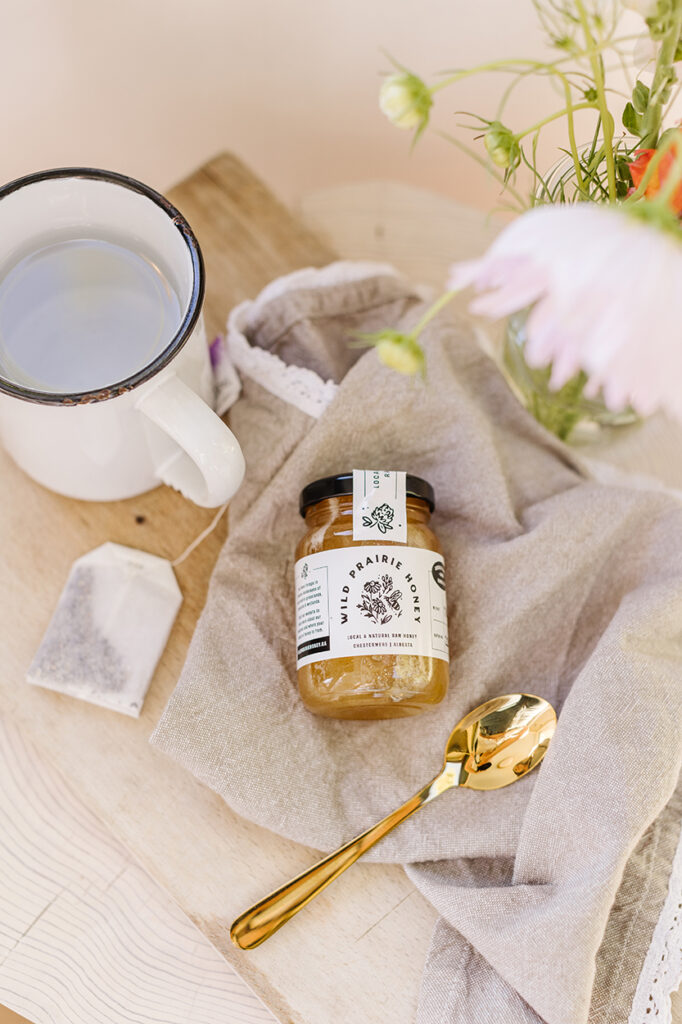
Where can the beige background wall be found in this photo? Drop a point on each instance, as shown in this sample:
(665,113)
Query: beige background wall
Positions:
(153,87)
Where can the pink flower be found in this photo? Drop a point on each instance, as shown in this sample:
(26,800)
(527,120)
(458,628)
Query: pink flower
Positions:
(606,292)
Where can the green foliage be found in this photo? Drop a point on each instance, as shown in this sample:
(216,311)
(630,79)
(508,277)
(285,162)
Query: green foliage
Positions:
(584,34)
(640,97)
(560,185)
(632,121)
(660,21)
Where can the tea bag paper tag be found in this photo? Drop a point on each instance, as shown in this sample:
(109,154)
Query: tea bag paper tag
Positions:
(379,505)
(109,628)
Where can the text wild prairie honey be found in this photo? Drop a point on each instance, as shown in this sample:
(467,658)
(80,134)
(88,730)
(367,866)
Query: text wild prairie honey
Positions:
(371,613)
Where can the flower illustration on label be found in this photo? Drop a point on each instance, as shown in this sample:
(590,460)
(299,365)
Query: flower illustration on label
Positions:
(379,601)
(381,516)
(304,571)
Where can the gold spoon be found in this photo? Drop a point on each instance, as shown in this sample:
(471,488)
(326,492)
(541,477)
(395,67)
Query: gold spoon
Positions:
(494,745)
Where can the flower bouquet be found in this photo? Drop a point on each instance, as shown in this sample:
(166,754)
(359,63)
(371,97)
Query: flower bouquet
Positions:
(590,272)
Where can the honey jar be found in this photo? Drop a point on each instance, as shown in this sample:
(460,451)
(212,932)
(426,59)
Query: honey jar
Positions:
(371,614)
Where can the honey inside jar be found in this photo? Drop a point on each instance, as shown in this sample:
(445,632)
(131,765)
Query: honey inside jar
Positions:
(370,599)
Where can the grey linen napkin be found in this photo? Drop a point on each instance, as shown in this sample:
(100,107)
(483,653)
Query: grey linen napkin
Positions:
(549,891)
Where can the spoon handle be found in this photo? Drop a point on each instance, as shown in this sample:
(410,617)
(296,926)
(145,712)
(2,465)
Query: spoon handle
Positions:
(259,922)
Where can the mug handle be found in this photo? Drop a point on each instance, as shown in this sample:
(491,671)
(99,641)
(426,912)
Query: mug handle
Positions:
(209,465)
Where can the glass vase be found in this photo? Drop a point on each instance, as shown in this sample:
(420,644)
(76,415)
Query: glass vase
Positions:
(567,412)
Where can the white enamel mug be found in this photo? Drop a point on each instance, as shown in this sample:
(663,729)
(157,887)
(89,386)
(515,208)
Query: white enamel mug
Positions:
(157,425)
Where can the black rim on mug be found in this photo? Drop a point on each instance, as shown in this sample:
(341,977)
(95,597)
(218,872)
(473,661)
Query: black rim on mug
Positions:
(189,319)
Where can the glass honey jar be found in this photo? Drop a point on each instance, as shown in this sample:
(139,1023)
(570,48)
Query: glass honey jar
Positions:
(371,613)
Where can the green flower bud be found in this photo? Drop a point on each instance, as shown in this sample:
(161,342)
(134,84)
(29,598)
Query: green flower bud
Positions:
(502,145)
(405,100)
(401,352)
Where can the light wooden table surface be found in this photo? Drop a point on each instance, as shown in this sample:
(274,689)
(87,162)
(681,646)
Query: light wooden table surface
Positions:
(356,954)
(86,935)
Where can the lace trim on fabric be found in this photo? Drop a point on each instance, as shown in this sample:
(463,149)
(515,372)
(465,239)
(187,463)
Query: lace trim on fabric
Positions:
(662,968)
(297,385)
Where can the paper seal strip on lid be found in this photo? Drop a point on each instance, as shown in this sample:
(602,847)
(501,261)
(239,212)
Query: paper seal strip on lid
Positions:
(379,505)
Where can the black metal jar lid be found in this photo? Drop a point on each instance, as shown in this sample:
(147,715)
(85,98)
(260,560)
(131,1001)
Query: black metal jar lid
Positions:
(342,483)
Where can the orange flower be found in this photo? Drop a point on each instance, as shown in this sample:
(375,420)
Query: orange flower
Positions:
(638,168)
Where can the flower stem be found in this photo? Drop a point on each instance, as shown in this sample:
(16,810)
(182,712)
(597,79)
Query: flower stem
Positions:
(651,124)
(606,118)
(554,117)
(493,65)
(571,136)
(431,312)
(510,64)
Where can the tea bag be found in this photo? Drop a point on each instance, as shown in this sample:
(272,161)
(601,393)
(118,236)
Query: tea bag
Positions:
(116,611)
(109,628)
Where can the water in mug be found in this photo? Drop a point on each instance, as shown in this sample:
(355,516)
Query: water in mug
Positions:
(83,313)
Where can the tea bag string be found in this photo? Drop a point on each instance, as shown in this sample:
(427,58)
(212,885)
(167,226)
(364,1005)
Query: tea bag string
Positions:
(201,537)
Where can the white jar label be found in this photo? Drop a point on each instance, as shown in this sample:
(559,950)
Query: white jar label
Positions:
(374,599)
(379,505)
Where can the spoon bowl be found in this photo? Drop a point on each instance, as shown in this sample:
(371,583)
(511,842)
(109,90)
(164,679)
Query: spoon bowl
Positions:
(500,741)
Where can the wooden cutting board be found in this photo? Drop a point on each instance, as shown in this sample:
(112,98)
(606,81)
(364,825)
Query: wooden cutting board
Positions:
(356,954)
